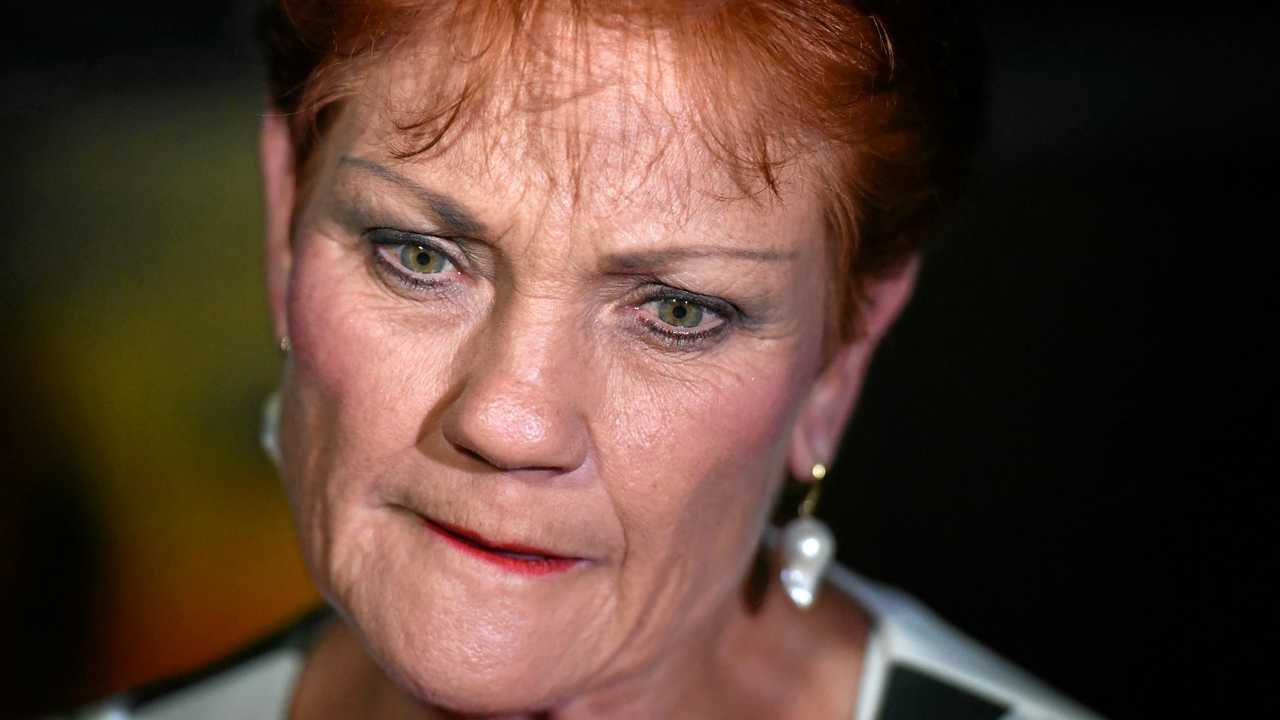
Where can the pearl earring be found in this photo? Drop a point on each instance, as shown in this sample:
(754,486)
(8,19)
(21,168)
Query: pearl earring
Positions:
(807,548)
(269,434)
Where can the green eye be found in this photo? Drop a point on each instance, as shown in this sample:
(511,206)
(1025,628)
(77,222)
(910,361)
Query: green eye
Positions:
(422,260)
(679,313)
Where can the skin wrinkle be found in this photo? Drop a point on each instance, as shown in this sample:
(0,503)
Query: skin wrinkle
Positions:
(586,434)
(639,110)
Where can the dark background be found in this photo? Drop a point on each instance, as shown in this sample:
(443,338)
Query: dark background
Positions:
(1067,448)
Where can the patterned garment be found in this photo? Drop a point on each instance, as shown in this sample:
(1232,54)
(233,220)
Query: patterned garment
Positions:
(916,668)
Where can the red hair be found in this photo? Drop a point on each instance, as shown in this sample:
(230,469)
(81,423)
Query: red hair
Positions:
(888,95)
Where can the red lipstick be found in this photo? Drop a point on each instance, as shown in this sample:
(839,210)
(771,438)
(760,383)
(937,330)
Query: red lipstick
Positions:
(521,559)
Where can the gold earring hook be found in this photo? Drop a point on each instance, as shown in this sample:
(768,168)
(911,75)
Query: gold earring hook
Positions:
(810,502)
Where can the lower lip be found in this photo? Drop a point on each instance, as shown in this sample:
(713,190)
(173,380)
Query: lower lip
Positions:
(535,565)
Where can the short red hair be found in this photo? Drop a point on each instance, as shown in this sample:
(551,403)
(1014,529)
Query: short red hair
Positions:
(890,94)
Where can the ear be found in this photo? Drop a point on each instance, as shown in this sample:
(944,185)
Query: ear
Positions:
(830,402)
(279,190)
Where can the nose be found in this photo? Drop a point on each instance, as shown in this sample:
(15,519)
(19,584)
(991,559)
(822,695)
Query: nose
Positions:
(518,406)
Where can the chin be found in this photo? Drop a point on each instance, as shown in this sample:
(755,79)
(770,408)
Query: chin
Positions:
(463,636)
(473,673)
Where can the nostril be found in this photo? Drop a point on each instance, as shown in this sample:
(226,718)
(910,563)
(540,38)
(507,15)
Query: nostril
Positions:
(468,452)
(498,463)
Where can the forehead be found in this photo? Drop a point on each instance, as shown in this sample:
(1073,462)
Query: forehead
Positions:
(582,139)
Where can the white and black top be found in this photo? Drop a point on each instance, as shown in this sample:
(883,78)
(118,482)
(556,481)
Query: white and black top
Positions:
(916,667)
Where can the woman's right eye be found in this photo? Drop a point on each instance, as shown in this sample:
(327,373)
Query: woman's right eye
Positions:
(410,259)
(422,260)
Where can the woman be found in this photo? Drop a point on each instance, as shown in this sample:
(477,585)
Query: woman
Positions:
(566,291)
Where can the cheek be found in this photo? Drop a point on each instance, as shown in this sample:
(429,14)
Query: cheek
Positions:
(359,360)
(709,446)
(358,389)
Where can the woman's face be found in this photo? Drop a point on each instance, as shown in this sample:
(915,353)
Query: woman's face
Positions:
(595,382)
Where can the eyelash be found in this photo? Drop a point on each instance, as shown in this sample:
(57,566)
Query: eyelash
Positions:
(728,313)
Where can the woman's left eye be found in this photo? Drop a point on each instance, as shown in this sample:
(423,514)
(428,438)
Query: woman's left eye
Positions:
(684,321)
(678,312)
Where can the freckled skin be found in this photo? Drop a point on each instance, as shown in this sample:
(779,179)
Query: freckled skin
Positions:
(529,403)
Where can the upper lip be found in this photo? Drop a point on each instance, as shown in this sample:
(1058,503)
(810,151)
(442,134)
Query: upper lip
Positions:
(476,538)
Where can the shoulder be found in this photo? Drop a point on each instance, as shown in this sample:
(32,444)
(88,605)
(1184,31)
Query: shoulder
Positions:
(254,684)
(916,665)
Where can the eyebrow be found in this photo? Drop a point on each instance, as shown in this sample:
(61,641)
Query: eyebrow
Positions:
(451,213)
(459,221)
(631,261)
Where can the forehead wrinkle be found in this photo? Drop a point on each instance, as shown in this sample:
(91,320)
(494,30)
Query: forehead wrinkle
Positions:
(532,220)
(623,158)
(598,112)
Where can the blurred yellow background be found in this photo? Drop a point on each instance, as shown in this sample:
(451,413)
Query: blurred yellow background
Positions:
(156,352)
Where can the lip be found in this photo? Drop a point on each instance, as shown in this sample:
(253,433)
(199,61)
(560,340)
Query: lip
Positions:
(512,557)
